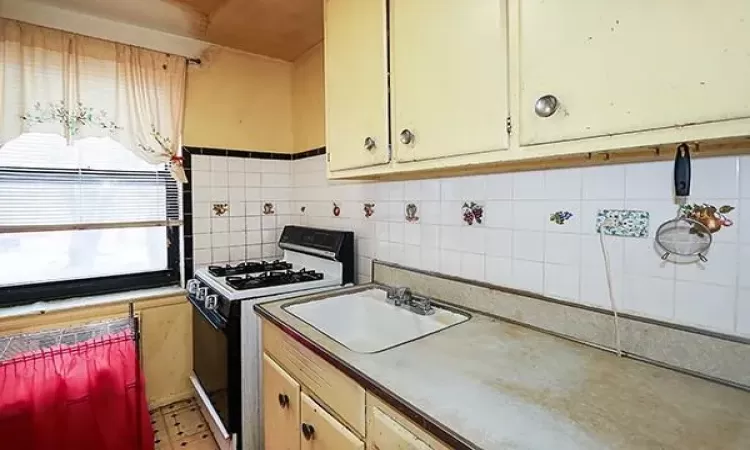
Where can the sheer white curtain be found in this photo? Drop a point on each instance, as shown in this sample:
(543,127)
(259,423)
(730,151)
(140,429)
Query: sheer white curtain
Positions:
(75,86)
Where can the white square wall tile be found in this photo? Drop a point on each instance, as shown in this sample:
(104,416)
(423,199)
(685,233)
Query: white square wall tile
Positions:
(451,190)
(595,289)
(528,186)
(498,214)
(603,182)
(201,241)
(591,251)
(253,179)
(473,239)
(498,271)
(499,186)
(720,269)
(253,165)
(200,178)
(200,163)
(429,212)
(429,236)
(236,179)
(219,163)
(450,238)
(652,297)
(450,262)
(253,238)
(744,266)
(202,257)
(220,255)
(201,225)
(237,254)
(412,191)
(705,173)
(430,259)
(744,220)
(472,266)
(499,242)
(253,252)
(236,238)
(451,213)
(396,232)
(562,248)
(562,281)
(236,224)
(413,234)
(530,215)
(236,164)
(528,245)
(219,224)
(650,180)
(641,257)
(562,184)
(528,275)
(429,190)
(705,306)
(743,312)
(219,240)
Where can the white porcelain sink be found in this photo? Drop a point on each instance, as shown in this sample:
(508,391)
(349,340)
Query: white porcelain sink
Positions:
(366,322)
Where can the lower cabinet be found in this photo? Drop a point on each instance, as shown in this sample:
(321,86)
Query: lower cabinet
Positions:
(293,421)
(310,405)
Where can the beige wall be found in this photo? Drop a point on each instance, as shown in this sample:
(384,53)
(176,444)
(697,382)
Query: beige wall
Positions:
(308,95)
(239,101)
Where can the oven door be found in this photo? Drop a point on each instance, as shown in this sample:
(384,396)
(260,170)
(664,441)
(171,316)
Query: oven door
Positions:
(211,362)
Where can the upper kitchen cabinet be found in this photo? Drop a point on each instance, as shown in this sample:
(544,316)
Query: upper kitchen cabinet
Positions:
(356,82)
(652,68)
(449,77)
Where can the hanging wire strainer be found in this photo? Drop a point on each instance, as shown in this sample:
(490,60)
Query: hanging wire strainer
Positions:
(682,235)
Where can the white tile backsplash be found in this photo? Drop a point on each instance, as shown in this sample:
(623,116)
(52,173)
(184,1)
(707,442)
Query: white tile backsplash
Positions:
(517,246)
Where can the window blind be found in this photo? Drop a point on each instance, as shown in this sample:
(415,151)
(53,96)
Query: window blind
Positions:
(47,185)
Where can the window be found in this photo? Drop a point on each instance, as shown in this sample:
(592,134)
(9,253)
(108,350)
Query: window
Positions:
(83,219)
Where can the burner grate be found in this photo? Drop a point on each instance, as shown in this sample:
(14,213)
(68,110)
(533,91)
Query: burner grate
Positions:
(268,279)
(248,267)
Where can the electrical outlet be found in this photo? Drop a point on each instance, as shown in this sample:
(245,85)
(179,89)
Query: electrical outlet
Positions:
(623,222)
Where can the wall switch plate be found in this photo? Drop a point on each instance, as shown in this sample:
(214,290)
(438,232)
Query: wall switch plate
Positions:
(623,222)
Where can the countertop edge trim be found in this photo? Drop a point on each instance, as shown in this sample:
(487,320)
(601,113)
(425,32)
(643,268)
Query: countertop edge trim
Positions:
(422,419)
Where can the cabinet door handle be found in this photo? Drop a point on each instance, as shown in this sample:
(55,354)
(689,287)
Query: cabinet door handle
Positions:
(546,105)
(407,137)
(283,400)
(308,431)
(370,143)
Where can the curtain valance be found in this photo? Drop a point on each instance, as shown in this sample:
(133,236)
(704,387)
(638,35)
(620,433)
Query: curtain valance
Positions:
(75,86)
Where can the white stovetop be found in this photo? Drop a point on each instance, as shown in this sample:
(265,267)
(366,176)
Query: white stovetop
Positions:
(331,278)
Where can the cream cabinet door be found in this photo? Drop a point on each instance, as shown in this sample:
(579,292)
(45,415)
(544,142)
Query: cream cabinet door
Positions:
(281,408)
(618,67)
(449,77)
(356,83)
(321,431)
(383,433)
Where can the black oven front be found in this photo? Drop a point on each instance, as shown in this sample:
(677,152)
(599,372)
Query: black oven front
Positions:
(216,356)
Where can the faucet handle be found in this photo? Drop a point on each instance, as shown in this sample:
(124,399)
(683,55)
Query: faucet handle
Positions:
(399,294)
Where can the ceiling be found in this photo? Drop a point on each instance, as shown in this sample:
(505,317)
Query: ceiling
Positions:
(282,29)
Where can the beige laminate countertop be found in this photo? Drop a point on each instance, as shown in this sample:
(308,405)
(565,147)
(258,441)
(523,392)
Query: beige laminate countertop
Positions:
(497,385)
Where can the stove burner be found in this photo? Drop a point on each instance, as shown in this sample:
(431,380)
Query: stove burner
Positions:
(248,267)
(268,279)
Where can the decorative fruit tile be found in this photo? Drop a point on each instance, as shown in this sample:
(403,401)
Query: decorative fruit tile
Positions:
(473,213)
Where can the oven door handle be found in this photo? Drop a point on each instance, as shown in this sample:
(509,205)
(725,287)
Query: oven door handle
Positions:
(212,321)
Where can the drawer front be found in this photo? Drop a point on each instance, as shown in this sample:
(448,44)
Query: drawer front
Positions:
(387,429)
(324,431)
(339,392)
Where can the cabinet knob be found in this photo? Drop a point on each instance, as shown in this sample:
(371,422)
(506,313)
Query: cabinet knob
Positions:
(283,400)
(546,106)
(308,431)
(407,137)
(370,143)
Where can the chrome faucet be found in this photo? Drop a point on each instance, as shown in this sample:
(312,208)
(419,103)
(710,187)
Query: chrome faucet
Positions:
(403,297)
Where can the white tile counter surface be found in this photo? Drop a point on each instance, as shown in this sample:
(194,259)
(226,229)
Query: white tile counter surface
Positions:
(502,386)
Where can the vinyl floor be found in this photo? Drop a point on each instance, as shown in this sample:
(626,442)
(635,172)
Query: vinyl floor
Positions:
(180,426)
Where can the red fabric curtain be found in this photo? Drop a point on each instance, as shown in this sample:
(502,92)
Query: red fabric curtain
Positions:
(87,396)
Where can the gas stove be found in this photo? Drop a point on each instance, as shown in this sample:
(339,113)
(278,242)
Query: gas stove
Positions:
(226,331)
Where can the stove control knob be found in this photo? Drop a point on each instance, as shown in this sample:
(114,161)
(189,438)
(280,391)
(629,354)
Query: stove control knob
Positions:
(192,286)
(202,293)
(212,302)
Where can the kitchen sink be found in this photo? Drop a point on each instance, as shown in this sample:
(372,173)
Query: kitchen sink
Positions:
(368,322)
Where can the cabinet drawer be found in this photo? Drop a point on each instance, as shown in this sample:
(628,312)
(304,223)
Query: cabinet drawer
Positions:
(327,432)
(281,407)
(342,394)
(389,430)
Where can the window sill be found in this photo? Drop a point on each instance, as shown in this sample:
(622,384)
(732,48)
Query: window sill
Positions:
(40,308)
